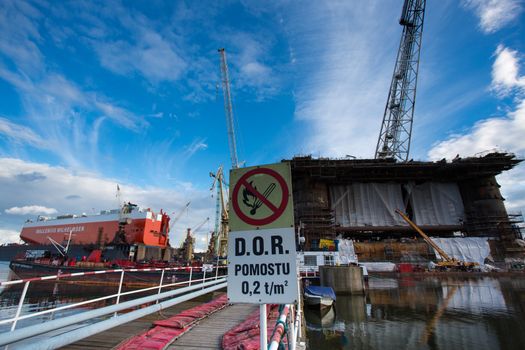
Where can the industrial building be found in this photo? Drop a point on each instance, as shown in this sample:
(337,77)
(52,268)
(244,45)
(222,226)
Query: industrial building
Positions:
(357,198)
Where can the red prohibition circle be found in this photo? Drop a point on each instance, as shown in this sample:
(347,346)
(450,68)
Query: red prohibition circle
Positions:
(279,210)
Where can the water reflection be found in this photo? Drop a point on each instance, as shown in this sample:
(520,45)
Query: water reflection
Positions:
(426,313)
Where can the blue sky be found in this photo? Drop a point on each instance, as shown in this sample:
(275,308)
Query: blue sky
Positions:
(97,93)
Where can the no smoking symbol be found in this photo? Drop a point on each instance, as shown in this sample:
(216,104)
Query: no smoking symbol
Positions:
(260,199)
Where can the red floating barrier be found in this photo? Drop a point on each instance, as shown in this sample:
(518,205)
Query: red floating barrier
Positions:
(165,331)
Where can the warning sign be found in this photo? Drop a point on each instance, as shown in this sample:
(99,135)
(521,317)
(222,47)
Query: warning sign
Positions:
(260,197)
(262,266)
(261,245)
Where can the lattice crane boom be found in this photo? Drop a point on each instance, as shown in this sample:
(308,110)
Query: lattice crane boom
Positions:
(179,215)
(198,227)
(228,109)
(396,128)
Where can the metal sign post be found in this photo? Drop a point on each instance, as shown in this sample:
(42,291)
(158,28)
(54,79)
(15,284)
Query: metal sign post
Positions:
(261,245)
(262,327)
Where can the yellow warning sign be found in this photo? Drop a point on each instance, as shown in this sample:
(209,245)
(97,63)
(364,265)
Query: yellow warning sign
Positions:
(261,197)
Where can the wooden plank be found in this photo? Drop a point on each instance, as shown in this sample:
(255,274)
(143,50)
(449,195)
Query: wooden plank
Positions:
(208,333)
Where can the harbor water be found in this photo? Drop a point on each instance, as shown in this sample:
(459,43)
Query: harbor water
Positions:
(425,313)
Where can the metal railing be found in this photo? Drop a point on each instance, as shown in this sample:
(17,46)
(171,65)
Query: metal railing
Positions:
(288,325)
(193,286)
(309,271)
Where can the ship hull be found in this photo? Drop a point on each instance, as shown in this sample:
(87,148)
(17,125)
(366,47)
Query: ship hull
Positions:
(135,227)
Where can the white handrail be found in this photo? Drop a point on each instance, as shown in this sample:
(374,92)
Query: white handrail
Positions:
(159,287)
(31,331)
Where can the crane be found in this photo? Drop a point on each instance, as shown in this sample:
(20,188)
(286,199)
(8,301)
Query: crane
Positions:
(221,234)
(198,227)
(179,215)
(228,108)
(188,244)
(396,128)
(448,261)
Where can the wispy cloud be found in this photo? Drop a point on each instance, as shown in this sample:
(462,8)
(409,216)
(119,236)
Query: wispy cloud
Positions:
(31,210)
(65,118)
(250,60)
(195,146)
(19,34)
(150,55)
(495,14)
(20,133)
(344,61)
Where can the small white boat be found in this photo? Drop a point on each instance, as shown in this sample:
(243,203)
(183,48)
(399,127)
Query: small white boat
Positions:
(319,297)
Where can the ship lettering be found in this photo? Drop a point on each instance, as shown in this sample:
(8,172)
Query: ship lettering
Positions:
(66,229)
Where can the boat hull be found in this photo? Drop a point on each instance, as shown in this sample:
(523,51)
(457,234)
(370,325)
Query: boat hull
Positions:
(318,302)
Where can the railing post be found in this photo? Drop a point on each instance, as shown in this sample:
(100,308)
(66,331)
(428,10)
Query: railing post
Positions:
(160,284)
(291,327)
(119,288)
(191,273)
(20,304)
(203,277)
(217,268)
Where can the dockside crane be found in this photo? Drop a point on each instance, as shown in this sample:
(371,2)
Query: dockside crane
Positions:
(396,128)
(220,239)
(189,242)
(179,215)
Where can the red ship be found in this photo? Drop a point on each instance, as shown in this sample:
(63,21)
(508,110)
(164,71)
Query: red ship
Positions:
(129,225)
(128,238)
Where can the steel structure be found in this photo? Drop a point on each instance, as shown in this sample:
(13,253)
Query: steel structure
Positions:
(396,128)
(228,109)
(221,234)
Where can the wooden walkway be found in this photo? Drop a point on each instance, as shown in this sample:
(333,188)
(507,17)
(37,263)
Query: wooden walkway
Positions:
(111,338)
(208,333)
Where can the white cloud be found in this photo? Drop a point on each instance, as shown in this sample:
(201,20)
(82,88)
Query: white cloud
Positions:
(31,210)
(9,236)
(249,61)
(92,193)
(151,55)
(498,132)
(503,133)
(495,14)
(505,71)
